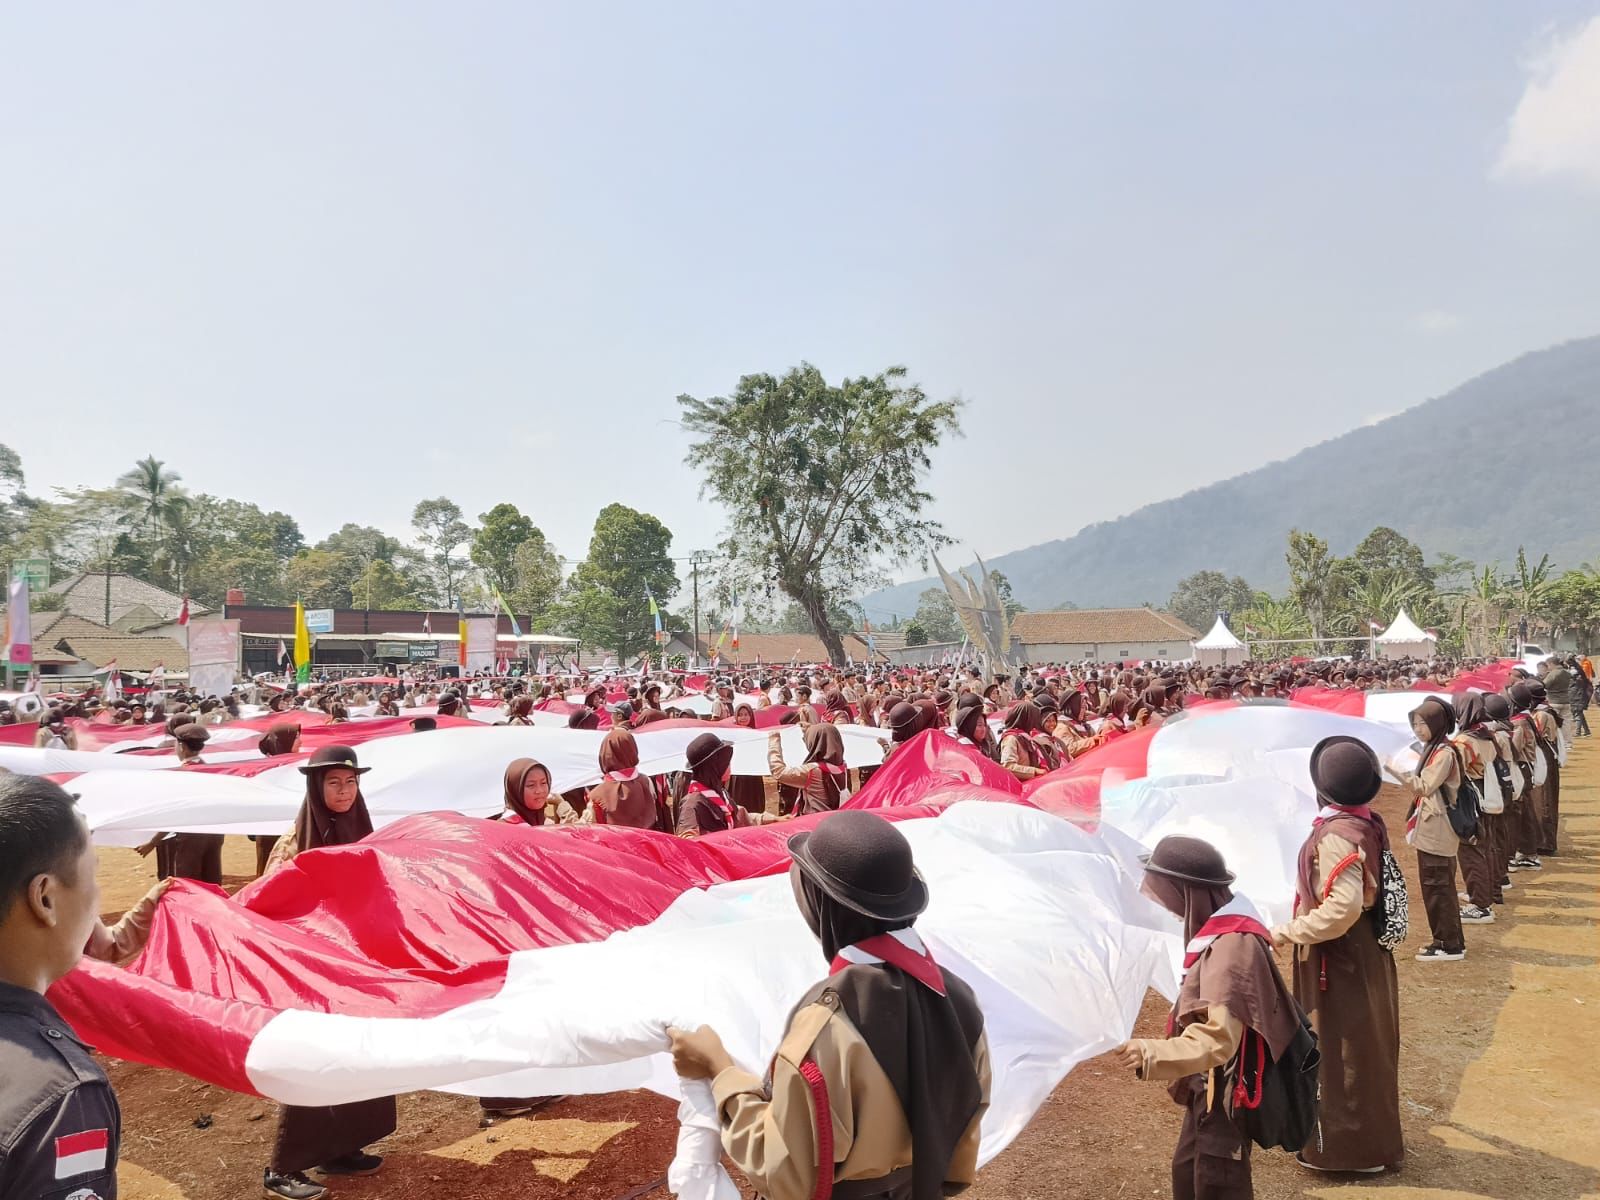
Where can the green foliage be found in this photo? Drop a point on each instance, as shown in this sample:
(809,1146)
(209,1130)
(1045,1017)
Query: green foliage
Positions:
(442,532)
(1573,603)
(936,616)
(916,635)
(822,482)
(494,545)
(1199,598)
(606,603)
(1311,578)
(536,579)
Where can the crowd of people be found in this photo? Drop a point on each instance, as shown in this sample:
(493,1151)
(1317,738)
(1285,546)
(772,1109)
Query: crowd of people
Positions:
(1485,795)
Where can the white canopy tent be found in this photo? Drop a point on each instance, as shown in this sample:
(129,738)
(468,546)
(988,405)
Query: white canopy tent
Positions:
(1404,639)
(1220,647)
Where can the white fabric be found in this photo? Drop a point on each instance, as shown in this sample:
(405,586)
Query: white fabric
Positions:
(1220,638)
(459,769)
(1065,983)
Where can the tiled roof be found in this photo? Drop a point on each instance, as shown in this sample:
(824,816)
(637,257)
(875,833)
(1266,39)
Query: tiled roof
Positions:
(130,653)
(781,647)
(85,594)
(1098,626)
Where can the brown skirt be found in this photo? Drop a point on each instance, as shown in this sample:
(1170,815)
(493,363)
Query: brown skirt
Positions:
(310,1137)
(1349,989)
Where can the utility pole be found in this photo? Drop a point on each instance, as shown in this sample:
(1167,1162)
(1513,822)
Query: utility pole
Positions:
(698,557)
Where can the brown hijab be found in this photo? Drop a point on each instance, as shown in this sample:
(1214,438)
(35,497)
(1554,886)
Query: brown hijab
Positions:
(516,779)
(630,802)
(279,739)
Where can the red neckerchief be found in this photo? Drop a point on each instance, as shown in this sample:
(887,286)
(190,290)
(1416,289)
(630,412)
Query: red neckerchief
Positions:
(623,776)
(718,801)
(887,948)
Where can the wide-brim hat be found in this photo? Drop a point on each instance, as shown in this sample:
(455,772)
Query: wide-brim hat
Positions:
(333,756)
(704,748)
(1345,771)
(1189,860)
(191,733)
(863,862)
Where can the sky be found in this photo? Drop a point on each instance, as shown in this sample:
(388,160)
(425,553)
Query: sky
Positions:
(334,259)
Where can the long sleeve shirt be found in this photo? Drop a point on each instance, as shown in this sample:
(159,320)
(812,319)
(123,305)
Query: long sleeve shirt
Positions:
(1203,1044)
(1340,906)
(771,1135)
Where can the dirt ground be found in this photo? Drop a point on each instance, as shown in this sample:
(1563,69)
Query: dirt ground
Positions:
(1497,1055)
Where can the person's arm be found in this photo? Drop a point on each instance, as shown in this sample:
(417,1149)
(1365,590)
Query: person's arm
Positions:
(1206,1043)
(771,1135)
(1438,772)
(1339,867)
(785,775)
(32,1163)
(283,850)
(127,937)
(1014,759)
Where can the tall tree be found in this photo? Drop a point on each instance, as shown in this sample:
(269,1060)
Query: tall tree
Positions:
(1199,598)
(1529,586)
(442,532)
(494,546)
(608,599)
(936,614)
(1573,603)
(154,496)
(536,580)
(1385,553)
(822,482)
(1312,583)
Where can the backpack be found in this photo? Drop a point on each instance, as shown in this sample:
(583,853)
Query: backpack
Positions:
(1465,812)
(1503,793)
(1391,910)
(1275,1100)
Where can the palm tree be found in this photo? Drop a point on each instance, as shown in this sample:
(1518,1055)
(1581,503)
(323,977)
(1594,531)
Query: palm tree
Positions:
(1530,586)
(154,500)
(1481,613)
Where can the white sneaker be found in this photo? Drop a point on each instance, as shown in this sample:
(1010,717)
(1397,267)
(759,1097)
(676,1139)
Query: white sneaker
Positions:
(1473,915)
(1440,954)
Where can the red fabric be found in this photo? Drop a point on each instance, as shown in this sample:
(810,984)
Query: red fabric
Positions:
(928,762)
(1346,703)
(459,894)
(1217,926)
(1073,791)
(896,953)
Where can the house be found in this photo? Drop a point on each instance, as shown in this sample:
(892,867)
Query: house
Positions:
(122,601)
(66,646)
(1102,635)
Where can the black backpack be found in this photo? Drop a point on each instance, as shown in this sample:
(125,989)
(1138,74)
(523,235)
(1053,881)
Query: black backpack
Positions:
(1464,813)
(1275,1101)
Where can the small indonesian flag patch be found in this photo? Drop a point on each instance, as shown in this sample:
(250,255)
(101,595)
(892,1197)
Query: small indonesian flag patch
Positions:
(81,1153)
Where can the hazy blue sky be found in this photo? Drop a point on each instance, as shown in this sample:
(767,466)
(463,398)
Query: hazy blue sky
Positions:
(334,258)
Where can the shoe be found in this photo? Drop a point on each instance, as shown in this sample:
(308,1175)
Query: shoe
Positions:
(1301,1159)
(1473,915)
(1505,885)
(357,1162)
(1440,954)
(1464,896)
(290,1186)
(1524,863)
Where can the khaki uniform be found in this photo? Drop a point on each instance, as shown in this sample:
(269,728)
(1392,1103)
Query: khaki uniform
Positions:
(770,1134)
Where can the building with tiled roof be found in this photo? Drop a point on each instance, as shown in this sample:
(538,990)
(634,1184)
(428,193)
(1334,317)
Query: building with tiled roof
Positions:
(88,594)
(1101,635)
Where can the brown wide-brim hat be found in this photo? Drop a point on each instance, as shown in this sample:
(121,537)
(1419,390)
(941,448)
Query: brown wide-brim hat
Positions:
(1189,860)
(864,863)
(333,756)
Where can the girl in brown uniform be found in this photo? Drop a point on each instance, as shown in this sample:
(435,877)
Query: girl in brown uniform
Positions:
(1430,833)
(333,1138)
(1231,987)
(883,1074)
(1342,977)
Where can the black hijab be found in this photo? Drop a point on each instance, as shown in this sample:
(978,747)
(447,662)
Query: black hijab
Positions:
(923,1041)
(318,825)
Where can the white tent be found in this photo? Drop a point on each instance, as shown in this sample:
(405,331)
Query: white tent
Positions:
(1219,647)
(1403,639)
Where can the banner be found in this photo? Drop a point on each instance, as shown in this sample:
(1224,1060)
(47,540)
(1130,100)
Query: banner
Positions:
(319,620)
(482,634)
(214,642)
(18,645)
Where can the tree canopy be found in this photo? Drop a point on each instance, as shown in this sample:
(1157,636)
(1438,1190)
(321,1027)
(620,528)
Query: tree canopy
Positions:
(823,483)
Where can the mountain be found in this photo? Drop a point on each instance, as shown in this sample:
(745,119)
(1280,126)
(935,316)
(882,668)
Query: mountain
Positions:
(1510,458)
